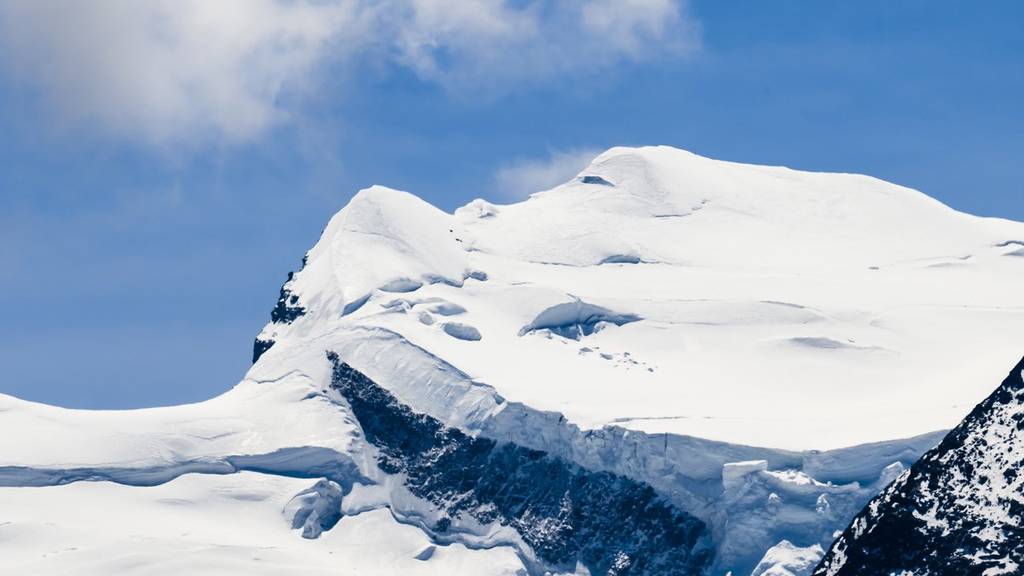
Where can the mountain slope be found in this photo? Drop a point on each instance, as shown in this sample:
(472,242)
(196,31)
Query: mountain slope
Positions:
(655,269)
(958,510)
(214,525)
(666,336)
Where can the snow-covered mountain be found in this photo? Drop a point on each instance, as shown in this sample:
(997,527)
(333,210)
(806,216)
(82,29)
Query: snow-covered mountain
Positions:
(731,359)
(958,510)
(834,289)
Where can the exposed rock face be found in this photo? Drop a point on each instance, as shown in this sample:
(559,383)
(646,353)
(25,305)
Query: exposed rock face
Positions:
(958,510)
(567,515)
(286,311)
(287,308)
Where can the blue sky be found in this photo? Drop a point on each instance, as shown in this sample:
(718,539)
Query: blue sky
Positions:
(157,181)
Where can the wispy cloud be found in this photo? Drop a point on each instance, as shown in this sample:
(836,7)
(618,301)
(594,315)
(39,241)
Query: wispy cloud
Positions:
(501,43)
(519,179)
(162,70)
(167,71)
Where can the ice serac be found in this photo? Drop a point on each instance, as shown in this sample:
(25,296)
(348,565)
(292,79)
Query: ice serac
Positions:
(785,559)
(958,510)
(315,509)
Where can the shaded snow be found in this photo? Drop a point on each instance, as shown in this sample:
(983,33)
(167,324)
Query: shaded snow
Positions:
(461,331)
(576,319)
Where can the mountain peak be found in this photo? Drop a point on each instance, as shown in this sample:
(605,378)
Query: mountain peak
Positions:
(832,286)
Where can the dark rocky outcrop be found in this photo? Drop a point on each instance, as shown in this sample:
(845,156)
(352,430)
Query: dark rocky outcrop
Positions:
(286,311)
(259,347)
(958,510)
(566,514)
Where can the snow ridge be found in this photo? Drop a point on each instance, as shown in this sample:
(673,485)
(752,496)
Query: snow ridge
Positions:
(296,462)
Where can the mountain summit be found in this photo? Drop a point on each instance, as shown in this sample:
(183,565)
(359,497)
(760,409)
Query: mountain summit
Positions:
(837,290)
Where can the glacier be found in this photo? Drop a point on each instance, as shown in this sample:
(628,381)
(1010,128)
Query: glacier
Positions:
(762,349)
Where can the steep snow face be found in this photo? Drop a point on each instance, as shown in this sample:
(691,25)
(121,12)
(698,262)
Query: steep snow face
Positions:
(664,292)
(958,510)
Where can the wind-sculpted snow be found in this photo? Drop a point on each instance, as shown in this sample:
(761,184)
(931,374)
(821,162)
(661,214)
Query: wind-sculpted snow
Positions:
(576,319)
(284,424)
(958,510)
(566,514)
(296,462)
(461,331)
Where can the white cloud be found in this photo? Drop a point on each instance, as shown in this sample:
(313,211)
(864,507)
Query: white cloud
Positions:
(495,44)
(519,179)
(159,70)
(163,71)
(628,25)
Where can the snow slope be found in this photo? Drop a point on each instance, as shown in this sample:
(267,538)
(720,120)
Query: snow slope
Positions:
(200,524)
(765,306)
(281,418)
(766,349)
